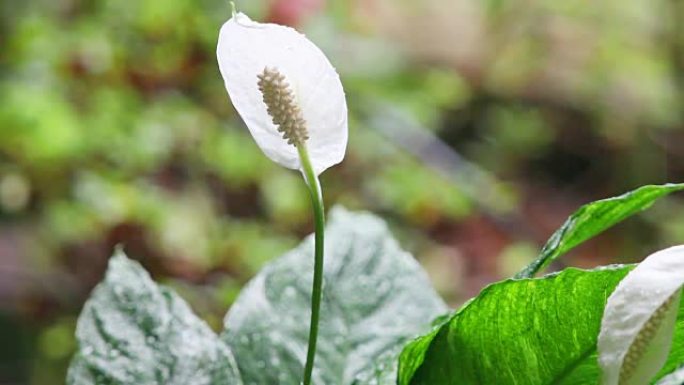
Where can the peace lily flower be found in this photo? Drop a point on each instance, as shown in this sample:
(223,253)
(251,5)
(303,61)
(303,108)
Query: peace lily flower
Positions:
(639,320)
(286,91)
(292,101)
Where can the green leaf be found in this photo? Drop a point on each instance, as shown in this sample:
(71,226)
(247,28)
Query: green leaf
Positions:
(537,331)
(592,219)
(132,331)
(375,298)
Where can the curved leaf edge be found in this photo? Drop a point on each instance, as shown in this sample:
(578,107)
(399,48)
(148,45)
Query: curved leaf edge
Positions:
(556,245)
(408,367)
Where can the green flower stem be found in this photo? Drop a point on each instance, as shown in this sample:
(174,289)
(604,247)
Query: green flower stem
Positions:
(319,224)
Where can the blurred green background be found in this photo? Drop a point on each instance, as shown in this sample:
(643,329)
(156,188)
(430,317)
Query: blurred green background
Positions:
(476,127)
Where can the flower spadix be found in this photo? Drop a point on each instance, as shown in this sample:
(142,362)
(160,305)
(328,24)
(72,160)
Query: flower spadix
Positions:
(286,91)
(639,320)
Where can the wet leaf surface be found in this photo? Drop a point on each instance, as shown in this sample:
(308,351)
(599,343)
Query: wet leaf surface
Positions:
(540,331)
(376,297)
(132,331)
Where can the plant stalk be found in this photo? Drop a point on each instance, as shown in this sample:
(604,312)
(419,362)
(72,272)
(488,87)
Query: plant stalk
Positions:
(319,224)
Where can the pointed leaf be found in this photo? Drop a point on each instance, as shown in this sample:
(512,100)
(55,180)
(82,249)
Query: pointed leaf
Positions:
(133,332)
(376,297)
(539,331)
(593,218)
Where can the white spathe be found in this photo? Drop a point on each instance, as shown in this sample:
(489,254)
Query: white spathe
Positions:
(633,316)
(245,48)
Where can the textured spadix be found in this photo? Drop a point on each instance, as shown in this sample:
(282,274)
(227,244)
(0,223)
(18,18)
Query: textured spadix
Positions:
(246,49)
(639,319)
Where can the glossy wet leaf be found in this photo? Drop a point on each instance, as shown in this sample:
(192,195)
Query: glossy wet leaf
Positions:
(133,332)
(593,218)
(538,331)
(375,298)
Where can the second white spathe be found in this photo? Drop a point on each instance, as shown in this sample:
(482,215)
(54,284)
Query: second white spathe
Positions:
(639,319)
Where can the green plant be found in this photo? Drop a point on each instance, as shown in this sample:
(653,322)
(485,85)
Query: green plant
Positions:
(379,320)
(376,301)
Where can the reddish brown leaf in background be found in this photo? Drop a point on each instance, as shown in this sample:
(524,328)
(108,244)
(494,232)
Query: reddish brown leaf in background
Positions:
(293,12)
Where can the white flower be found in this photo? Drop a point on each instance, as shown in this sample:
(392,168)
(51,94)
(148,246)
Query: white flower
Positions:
(299,81)
(639,320)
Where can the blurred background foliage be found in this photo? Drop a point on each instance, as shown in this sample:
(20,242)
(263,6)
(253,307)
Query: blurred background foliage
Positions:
(476,127)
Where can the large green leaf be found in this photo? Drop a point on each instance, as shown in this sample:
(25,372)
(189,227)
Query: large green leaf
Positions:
(538,331)
(133,332)
(375,298)
(593,218)
(535,331)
